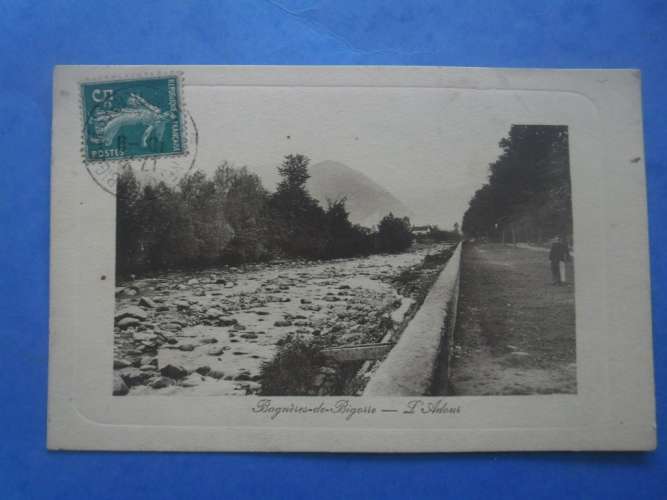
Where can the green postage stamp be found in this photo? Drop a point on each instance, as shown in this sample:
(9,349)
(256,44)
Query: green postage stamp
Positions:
(133,118)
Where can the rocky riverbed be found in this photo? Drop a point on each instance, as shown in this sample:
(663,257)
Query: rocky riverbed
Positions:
(208,332)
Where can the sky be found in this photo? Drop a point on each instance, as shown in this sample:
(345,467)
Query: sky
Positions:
(429,147)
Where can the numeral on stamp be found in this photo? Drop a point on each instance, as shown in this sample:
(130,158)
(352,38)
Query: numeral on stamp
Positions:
(125,119)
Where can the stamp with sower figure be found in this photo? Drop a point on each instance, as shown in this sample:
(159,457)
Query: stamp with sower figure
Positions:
(133,118)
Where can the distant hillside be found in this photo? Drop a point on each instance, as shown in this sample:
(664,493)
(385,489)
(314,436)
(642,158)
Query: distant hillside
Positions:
(367,201)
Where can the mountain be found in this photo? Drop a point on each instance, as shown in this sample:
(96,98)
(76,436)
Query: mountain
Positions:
(367,202)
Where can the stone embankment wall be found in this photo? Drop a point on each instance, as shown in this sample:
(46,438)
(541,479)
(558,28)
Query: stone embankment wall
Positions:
(424,348)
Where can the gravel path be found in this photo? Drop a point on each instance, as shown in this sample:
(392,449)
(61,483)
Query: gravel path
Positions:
(515,331)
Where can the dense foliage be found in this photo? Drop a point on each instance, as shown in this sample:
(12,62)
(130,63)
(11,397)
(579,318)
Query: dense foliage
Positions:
(232,219)
(528,194)
(394,234)
(293,368)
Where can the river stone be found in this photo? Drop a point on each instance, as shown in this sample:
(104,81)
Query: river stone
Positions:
(161,382)
(282,322)
(132,312)
(121,363)
(149,360)
(216,374)
(133,376)
(173,371)
(172,327)
(119,386)
(127,322)
(244,375)
(203,370)
(144,336)
(129,291)
(213,313)
(307,307)
(147,302)
(216,351)
(227,322)
(186,347)
(193,281)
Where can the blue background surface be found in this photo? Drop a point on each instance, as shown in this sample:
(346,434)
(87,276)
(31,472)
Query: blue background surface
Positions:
(34,37)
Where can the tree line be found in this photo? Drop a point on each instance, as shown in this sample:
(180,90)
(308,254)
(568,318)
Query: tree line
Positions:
(230,218)
(528,193)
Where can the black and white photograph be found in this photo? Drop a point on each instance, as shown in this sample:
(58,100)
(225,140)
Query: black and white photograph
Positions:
(313,253)
(348,259)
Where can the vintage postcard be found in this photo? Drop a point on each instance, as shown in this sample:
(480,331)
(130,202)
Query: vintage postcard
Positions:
(349,259)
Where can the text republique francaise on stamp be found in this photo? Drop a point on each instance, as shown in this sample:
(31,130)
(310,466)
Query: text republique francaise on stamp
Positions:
(133,118)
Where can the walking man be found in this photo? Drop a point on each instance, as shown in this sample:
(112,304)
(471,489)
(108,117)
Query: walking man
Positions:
(558,253)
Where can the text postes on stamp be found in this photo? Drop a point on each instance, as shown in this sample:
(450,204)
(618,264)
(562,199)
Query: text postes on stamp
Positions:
(133,118)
